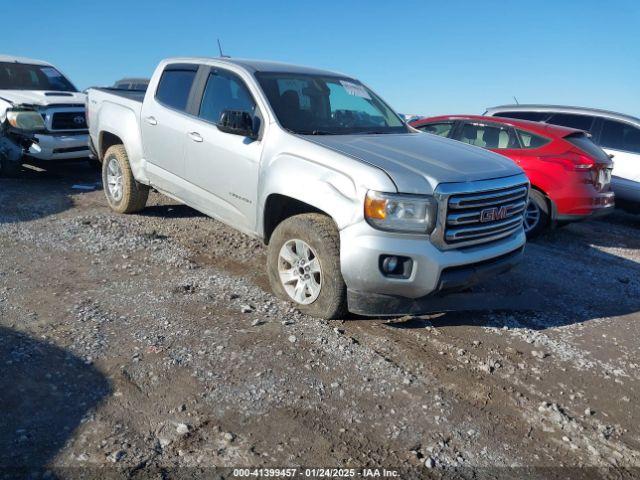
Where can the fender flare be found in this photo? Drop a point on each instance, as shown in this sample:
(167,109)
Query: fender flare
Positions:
(323,188)
(123,123)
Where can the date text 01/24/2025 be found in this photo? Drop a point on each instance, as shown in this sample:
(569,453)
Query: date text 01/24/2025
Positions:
(315,472)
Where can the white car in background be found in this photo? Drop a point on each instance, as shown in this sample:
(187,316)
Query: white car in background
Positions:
(39,86)
(616,133)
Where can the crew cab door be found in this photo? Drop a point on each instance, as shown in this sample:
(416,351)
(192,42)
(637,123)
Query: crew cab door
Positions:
(163,123)
(622,140)
(222,168)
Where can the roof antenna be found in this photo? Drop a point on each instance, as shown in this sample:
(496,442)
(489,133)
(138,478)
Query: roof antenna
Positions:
(222,55)
(514,97)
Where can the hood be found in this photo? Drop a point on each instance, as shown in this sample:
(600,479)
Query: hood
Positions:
(411,159)
(42,98)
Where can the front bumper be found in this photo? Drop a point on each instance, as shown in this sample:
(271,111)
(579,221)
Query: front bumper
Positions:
(61,146)
(451,280)
(361,247)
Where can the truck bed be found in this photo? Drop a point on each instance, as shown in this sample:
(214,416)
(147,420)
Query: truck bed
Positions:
(117,112)
(135,95)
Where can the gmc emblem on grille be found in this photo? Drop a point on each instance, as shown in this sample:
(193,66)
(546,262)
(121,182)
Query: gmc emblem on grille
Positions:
(493,214)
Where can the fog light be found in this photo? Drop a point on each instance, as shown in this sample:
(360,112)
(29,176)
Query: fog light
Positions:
(394,266)
(389,264)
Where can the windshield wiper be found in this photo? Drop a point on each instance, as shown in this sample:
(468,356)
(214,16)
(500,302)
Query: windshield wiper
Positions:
(374,132)
(311,132)
(319,132)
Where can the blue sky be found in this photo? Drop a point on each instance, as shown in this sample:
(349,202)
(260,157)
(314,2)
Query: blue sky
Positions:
(430,57)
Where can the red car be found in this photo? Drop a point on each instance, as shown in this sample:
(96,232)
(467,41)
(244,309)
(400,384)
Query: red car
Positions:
(570,176)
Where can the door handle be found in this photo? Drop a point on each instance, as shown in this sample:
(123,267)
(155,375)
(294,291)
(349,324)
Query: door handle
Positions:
(195,136)
(151,120)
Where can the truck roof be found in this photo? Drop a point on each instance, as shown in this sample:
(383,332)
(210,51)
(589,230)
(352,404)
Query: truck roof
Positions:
(29,61)
(259,65)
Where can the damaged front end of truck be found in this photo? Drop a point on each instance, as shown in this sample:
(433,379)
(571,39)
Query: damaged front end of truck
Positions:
(17,135)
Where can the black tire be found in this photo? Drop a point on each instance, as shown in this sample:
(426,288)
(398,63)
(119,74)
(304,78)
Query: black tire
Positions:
(538,204)
(134,194)
(8,168)
(321,234)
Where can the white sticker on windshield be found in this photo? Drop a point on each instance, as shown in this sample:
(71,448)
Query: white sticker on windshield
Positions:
(355,89)
(50,72)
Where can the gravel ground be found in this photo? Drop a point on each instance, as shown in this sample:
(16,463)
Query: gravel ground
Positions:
(152,343)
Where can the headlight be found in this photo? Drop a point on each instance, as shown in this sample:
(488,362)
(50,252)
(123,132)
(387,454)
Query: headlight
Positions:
(399,212)
(25,120)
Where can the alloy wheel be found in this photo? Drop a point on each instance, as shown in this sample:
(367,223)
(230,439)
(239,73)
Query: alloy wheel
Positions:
(299,271)
(532,216)
(114,180)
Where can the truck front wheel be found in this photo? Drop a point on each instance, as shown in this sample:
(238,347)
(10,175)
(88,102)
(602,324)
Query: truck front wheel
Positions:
(303,263)
(123,192)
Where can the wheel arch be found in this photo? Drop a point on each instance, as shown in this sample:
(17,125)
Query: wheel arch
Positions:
(291,185)
(119,124)
(108,140)
(553,208)
(279,207)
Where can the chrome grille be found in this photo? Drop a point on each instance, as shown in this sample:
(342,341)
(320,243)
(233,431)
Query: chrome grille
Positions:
(480,212)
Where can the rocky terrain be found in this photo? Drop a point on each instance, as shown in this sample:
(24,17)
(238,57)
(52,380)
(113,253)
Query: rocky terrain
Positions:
(150,345)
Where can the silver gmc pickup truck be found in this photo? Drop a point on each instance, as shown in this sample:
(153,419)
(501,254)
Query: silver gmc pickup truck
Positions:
(359,211)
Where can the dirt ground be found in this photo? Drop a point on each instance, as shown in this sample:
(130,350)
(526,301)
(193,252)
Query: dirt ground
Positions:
(151,343)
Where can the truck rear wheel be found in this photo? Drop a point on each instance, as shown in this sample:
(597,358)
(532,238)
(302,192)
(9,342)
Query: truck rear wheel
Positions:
(303,264)
(124,193)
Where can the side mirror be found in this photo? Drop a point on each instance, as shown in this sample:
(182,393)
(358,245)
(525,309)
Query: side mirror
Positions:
(237,122)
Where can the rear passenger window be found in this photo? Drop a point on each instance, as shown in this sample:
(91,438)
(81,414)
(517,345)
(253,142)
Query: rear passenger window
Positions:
(581,122)
(225,91)
(488,136)
(174,87)
(620,136)
(529,140)
(532,116)
(442,129)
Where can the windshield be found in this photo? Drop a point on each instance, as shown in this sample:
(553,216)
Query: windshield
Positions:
(20,76)
(325,105)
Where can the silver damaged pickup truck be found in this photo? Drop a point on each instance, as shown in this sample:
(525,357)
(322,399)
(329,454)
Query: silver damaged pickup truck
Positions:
(359,211)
